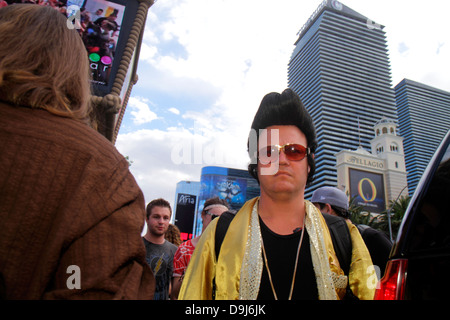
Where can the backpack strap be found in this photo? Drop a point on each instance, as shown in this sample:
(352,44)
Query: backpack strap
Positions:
(221,229)
(342,241)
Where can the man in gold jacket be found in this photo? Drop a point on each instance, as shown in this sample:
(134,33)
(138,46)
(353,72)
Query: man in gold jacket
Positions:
(278,246)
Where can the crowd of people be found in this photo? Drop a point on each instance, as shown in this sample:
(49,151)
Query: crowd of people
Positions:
(71,213)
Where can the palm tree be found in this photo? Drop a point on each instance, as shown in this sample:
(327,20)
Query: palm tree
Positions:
(381,222)
(358,215)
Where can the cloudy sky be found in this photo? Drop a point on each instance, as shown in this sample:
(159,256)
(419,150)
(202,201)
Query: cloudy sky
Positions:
(206,64)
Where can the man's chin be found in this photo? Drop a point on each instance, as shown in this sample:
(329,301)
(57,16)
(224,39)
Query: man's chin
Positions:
(158,233)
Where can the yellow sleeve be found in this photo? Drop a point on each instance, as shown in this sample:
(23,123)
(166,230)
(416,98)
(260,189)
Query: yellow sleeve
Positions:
(203,266)
(362,272)
(197,282)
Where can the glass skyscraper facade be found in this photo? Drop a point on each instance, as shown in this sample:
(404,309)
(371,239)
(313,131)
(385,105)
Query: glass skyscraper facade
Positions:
(340,69)
(424,119)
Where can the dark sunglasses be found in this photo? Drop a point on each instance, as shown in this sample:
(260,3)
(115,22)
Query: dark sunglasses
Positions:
(293,152)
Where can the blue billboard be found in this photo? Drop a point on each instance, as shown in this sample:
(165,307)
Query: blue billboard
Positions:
(233,185)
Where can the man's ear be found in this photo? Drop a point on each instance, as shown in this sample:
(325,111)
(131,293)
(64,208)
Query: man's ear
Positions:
(329,209)
(312,155)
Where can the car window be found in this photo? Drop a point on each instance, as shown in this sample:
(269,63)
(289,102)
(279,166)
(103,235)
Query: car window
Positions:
(432,221)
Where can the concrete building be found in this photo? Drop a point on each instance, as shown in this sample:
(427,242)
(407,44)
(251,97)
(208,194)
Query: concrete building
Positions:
(374,178)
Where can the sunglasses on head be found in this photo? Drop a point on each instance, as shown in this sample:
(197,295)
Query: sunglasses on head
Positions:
(293,152)
(213,216)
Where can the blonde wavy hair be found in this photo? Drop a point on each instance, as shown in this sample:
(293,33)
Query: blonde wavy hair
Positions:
(43,63)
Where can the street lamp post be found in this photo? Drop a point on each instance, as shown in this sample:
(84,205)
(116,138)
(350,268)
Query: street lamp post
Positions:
(389,214)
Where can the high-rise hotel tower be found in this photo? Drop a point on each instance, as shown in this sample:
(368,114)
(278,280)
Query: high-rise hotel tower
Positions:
(424,119)
(340,69)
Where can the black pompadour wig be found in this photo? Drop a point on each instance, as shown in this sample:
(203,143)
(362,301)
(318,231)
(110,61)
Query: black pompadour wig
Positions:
(281,110)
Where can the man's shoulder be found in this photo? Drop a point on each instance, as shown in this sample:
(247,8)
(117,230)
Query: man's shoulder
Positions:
(170,246)
(37,125)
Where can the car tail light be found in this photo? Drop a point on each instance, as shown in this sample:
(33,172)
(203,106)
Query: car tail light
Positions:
(392,286)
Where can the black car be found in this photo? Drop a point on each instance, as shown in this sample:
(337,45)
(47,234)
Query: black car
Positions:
(419,263)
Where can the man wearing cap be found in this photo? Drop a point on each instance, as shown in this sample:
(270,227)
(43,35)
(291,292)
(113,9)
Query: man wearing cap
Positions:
(330,200)
(278,245)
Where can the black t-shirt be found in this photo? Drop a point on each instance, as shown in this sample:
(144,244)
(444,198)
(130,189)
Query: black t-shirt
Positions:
(281,252)
(160,259)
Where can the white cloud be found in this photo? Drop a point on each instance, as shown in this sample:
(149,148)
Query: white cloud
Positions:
(414,31)
(149,28)
(148,52)
(227,43)
(152,168)
(174,111)
(140,111)
(163,158)
(403,49)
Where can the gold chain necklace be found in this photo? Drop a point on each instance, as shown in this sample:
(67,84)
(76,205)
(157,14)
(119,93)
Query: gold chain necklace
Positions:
(295,267)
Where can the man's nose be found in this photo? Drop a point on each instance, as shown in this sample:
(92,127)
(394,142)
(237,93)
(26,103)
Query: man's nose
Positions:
(282,157)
